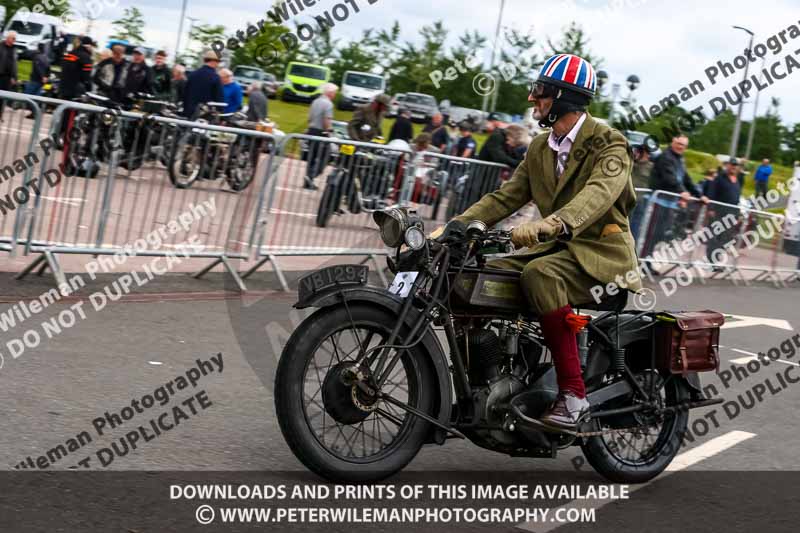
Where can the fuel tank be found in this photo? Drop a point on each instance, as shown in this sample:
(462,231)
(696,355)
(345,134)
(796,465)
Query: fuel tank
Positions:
(488,289)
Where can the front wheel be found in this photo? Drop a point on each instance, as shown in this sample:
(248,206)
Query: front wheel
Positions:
(331,425)
(639,446)
(242,169)
(328,204)
(186,162)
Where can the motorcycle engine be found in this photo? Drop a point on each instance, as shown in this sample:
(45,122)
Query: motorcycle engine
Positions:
(500,360)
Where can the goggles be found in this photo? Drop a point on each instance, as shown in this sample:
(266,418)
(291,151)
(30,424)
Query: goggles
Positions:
(542,90)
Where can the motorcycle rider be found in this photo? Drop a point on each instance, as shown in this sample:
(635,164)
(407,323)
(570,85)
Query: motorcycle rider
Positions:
(371,115)
(579,176)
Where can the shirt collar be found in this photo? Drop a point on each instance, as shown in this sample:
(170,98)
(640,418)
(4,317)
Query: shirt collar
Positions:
(572,135)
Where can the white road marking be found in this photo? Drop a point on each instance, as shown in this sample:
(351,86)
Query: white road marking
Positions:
(681,462)
(754,357)
(292,214)
(707,450)
(74,202)
(747,321)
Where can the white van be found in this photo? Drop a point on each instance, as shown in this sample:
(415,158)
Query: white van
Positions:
(32,29)
(359,88)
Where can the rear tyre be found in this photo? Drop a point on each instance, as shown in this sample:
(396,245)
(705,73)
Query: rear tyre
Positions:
(360,440)
(639,455)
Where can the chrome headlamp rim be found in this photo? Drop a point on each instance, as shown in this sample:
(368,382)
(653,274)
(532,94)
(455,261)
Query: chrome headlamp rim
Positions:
(415,238)
(392,215)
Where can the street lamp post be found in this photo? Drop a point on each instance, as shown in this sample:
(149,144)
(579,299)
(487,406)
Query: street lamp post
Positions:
(633,82)
(180,29)
(738,127)
(751,134)
(494,54)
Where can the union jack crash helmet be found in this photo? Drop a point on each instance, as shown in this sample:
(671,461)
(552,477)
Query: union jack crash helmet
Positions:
(567,71)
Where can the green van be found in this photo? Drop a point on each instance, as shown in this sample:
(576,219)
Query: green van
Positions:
(304,81)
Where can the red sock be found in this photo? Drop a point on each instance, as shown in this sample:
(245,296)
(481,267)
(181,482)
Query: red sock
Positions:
(560,338)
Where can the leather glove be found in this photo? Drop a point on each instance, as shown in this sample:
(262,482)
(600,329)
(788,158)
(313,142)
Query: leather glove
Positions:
(530,234)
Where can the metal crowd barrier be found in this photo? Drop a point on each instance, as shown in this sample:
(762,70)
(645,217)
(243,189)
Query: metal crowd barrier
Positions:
(323,190)
(18,162)
(714,240)
(103,203)
(446,186)
(320,197)
(115,188)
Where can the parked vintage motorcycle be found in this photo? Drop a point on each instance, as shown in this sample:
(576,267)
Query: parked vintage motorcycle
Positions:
(363,382)
(362,181)
(202,153)
(148,139)
(89,139)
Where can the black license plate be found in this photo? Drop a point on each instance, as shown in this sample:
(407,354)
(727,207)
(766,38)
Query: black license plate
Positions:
(334,276)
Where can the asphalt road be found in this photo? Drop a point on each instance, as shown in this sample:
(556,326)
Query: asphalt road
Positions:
(53,392)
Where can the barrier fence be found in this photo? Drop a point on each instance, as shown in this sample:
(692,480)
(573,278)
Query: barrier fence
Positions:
(716,240)
(123,175)
(323,191)
(92,200)
(18,161)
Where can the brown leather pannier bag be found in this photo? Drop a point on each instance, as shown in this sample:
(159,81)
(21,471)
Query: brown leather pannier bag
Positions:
(688,341)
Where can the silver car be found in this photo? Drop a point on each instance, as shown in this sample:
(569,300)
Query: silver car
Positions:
(421,106)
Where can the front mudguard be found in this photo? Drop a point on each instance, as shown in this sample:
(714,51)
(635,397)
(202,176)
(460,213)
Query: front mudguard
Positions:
(430,343)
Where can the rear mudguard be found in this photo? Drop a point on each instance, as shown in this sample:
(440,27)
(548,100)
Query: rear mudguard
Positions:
(599,360)
(430,343)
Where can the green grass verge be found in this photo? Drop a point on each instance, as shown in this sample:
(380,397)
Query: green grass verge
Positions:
(24,67)
(697,163)
(292,117)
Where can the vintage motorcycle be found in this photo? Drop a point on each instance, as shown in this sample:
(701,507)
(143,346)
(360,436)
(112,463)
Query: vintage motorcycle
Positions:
(202,153)
(363,382)
(362,178)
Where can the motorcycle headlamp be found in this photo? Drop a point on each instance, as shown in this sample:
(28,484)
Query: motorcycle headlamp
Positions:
(394,224)
(415,238)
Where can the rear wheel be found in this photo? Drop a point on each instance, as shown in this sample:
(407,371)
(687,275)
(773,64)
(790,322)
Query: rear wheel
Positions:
(334,428)
(642,444)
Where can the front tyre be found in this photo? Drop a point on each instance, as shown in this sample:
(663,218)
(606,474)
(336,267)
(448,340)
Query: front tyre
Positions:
(328,204)
(335,429)
(186,162)
(638,455)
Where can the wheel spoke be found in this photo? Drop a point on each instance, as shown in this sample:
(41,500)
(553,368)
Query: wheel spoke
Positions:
(379,429)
